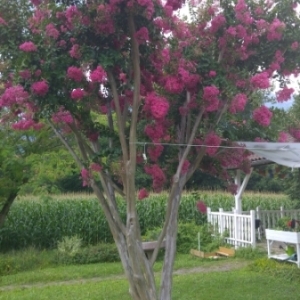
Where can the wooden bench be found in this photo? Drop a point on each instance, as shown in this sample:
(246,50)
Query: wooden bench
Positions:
(223,251)
(149,247)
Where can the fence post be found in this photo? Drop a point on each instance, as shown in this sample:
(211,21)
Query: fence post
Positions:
(258,216)
(208,210)
(281,211)
(253,231)
(221,227)
(236,229)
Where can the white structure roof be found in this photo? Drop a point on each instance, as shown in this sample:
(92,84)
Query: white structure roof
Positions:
(286,154)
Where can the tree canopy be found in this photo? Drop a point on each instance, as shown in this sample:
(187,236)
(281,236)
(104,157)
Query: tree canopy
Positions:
(171,91)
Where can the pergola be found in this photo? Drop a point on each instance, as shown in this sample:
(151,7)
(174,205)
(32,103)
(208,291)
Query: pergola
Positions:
(285,154)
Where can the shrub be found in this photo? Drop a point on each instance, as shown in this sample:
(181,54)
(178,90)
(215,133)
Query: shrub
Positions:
(69,246)
(91,254)
(284,270)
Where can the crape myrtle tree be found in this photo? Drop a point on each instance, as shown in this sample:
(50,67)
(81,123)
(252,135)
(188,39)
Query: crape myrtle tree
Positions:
(172,85)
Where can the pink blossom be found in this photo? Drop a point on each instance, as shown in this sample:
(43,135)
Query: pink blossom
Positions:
(142,35)
(262,116)
(77,94)
(95,167)
(201,206)
(232,188)
(142,194)
(2,21)
(98,75)
(51,31)
(210,97)
(75,51)
(275,30)
(295,45)
(231,31)
(159,106)
(85,175)
(175,4)
(36,2)
(13,95)
(23,124)
(238,103)
(75,73)
(72,12)
(217,22)
(62,116)
(155,152)
(25,74)
(155,131)
(165,53)
(174,85)
(158,176)
(260,80)
(213,142)
(212,73)
(28,47)
(284,94)
(40,88)
(283,137)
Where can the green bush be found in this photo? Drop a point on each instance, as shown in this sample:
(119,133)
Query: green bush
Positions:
(187,238)
(284,270)
(91,254)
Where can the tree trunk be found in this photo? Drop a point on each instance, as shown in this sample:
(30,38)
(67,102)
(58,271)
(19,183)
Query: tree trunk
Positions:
(170,252)
(6,207)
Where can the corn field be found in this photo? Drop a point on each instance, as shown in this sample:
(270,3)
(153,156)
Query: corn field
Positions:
(43,221)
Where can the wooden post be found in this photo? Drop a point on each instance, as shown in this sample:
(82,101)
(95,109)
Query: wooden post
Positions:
(281,211)
(253,231)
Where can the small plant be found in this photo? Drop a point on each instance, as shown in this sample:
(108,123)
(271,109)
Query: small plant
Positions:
(69,246)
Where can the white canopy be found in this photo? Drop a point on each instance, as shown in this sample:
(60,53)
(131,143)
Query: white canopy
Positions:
(286,154)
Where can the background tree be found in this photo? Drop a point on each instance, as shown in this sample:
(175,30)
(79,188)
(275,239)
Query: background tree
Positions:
(166,86)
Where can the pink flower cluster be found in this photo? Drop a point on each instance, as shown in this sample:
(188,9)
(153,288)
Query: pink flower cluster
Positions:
(75,51)
(13,95)
(26,124)
(213,142)
(174,85)
(98,75)
(2,21)
(217,22)
(157,106)
(28,47)
(142,194)
(283,137)
(260,81)
(238,103)
(62,116)
(75,74)
(275,30)
(142,35)
(155,152)
(95,167)
(262,116)
(201,206)
(158,176)
(77,94)
(51,31)
(210,97)
(155,131)
(284,94)
(85,175)
(40,88)
(25,74)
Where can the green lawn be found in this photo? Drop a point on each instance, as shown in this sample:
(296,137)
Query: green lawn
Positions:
(231,285)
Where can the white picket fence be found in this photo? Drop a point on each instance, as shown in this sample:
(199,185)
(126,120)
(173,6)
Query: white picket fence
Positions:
(240,230)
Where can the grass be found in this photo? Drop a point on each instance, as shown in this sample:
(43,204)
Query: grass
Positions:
(233,285)
(100,270)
